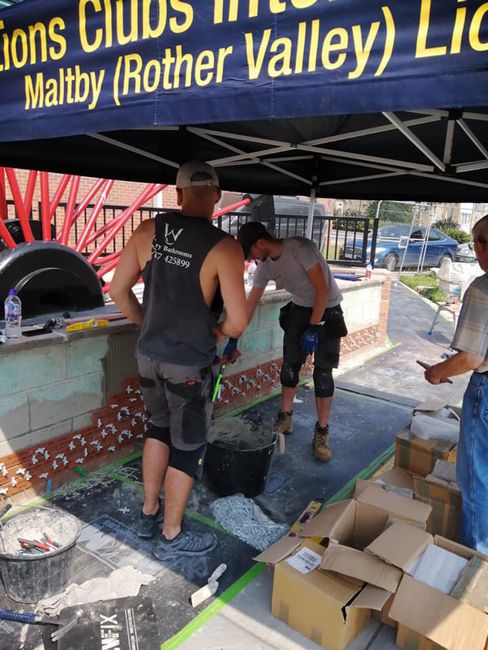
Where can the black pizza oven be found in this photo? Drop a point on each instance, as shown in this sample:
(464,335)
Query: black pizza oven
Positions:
(48,278)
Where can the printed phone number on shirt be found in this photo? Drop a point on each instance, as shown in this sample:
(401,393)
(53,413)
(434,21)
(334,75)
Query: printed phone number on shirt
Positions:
(171,259)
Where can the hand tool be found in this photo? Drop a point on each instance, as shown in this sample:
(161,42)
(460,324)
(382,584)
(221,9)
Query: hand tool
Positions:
(426,366)
(49,541)
(210,588)
(228,350)
(34,619)
(34,543)
(88,324)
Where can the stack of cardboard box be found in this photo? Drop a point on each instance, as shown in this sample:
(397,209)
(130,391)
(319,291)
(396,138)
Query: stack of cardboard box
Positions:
(389,551)
(431,465)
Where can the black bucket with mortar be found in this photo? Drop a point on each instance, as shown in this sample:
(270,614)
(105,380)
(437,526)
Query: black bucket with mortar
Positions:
(239,464)
(28,578)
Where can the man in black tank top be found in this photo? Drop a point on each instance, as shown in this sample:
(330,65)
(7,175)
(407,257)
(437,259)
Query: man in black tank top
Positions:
(190,270)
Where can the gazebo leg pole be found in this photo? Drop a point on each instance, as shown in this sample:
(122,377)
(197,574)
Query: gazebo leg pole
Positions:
(309,230)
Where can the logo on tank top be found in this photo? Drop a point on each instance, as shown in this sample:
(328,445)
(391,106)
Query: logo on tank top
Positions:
(170,235)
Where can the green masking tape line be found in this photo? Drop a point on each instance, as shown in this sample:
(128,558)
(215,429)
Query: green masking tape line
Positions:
(244,581)
(123,461)
(206,520)
(215,607)
(365,473)
(127,481)
(192,514)
(82,471)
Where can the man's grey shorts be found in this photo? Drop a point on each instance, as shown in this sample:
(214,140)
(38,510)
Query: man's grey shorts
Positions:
(178,397)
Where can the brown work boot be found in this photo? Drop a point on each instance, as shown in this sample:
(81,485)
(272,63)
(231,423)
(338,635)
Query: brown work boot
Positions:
(283,423)
(321,449)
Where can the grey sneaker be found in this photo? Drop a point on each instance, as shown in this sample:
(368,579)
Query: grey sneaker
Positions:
(148,525)
(186,543)
(283,423)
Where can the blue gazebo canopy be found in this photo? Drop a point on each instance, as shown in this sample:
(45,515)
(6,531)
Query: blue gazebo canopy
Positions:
(356,98)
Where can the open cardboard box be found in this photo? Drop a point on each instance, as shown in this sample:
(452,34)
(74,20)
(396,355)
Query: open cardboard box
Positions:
(332,600)
(436,616)
(329,609)
(396,479)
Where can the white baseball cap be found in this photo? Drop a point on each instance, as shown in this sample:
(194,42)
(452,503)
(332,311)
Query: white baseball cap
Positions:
(196,173)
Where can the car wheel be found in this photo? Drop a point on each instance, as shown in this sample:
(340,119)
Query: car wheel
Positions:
(446,256)
(391,261)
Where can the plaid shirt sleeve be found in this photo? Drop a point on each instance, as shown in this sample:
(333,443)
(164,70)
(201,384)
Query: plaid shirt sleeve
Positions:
(472,328)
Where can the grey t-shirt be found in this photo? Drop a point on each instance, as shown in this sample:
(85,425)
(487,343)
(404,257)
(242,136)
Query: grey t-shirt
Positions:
(289,272)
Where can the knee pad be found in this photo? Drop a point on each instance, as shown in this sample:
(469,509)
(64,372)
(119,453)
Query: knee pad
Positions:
(160,433)
(323,382)
(290,374)
(188,462)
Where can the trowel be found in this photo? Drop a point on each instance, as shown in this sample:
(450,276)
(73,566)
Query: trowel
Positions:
(210,588)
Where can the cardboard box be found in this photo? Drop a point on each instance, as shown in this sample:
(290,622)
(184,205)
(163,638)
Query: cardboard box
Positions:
(472,584)
(308,593)
(440,491)
(400,545)
(361,566)
(436,616)
(419,456)
(396,480)
(411,640)
(384,615)
(328,609)
(357,522)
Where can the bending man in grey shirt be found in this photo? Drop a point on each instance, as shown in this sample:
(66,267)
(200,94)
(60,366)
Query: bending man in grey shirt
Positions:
(313,322)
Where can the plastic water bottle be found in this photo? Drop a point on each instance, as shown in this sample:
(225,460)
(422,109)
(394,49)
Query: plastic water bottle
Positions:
(250,273)
(369,270)
(13,315)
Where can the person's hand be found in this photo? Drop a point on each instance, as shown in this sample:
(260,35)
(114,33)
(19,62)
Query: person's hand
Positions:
(310,339)
(231,353)
(435,376)
(217,332)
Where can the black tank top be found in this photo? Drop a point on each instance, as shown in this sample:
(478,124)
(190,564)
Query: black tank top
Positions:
(177,325)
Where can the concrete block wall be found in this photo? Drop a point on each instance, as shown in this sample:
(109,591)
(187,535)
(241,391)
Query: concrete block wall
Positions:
(53,385)
(56,413)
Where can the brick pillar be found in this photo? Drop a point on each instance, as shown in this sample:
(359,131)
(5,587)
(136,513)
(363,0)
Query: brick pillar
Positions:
(385,305)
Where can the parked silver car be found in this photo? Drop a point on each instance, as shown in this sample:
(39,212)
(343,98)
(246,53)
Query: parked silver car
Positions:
(465,253)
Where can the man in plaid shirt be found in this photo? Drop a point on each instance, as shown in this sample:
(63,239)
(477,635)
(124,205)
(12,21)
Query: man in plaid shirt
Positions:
(471,345)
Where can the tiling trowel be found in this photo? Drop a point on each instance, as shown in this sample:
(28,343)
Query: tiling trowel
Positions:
(210,588)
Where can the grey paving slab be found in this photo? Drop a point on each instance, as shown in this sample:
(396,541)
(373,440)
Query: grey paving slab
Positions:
(396,375)
(247,622)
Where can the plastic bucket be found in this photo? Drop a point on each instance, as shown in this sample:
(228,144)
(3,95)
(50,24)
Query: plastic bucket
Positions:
(229,470)
(28,578)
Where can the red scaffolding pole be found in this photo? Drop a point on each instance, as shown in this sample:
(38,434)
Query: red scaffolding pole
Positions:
(63,237)
(230,208)
(3,196)
(45,219)
(58,195)
(6,236)
(29,191)
(19,205)
(92,221)
(146,195)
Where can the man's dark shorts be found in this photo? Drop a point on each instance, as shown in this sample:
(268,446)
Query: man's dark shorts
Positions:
(295,321)
(179,402)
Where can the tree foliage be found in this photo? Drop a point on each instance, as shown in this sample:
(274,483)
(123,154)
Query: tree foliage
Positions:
(391,212)
(452,229)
